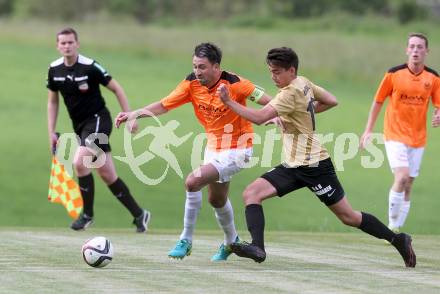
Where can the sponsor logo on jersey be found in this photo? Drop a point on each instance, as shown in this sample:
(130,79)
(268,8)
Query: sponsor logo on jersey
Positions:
(83,87)
(412,99)
(211,111)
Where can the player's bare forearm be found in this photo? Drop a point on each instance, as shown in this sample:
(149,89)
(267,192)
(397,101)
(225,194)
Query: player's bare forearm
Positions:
(52,111)
(324,102)
(256,116)
(264,99)
(123,101)
(52,115)
(119,92)
(436,118)
(247,113)
(321,107)
(153,109)
(372,117)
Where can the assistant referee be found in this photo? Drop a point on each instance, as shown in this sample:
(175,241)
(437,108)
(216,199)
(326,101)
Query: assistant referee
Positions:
(78,78)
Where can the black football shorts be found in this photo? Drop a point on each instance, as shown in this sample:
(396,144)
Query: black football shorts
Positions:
(95,131)
(320,178)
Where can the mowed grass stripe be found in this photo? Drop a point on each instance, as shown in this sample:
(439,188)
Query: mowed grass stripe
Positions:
(297,263)
(149,62)
(360,253)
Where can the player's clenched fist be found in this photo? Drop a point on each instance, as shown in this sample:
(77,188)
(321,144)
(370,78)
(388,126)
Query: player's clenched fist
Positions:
(130,118)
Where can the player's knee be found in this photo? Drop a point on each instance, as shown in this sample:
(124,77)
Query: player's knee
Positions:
(79,166)
(250,195)
(402,180)
(192,184)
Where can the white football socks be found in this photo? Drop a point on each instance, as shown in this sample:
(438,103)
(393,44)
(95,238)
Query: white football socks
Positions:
(403,213)
(395,200)
(225,219)
(193,204)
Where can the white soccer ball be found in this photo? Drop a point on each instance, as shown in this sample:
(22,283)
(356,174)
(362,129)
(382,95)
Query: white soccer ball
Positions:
(97,252)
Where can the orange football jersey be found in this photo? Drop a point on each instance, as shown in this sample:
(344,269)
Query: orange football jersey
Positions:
(225,129)
(406,112)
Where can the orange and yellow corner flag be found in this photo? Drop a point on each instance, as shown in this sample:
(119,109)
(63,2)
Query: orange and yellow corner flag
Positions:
(63,189)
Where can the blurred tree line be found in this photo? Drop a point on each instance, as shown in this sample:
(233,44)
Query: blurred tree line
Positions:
(146,11)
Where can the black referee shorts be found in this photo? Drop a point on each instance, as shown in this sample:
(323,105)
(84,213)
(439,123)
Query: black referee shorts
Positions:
(96,130)
(320,179)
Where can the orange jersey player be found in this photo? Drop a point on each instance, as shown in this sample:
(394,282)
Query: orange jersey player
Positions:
(223,158)
(410,87)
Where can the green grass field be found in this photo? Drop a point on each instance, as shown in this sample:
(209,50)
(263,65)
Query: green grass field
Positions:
(149,62)
(36,260)
(309,251)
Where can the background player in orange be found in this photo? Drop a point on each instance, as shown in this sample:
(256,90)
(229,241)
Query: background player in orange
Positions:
(409,87)
(222,158)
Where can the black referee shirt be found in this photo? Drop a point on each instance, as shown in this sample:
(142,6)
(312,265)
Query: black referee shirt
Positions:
(79,86)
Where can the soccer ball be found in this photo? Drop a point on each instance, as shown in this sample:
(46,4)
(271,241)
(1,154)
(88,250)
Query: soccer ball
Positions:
(97,252)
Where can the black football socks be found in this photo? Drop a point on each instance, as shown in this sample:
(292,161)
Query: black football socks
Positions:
(87,188)
(120,190)
(255,223)
(371,225)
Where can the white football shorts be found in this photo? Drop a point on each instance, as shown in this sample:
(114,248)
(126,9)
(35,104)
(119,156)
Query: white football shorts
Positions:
(228,162)
(401,155)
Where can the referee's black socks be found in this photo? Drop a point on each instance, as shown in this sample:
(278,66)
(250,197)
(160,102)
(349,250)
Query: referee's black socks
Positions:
(87,188)
(120,190)
(371,225)
(255,223)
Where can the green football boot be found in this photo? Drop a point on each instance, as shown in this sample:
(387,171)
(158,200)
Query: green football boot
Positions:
(182,249)
(223,251)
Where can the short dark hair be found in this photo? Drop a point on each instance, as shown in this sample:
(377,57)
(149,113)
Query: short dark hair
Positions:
(210,51)
(68,31)
(419,35)
(284,57)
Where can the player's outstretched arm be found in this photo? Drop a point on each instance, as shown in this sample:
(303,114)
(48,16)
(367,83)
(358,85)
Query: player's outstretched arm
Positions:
(153,109)
(264,99)
(274,121)
(257,116)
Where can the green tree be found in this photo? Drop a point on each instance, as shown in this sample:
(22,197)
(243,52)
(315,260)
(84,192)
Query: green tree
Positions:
(6,7)
(408,11)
